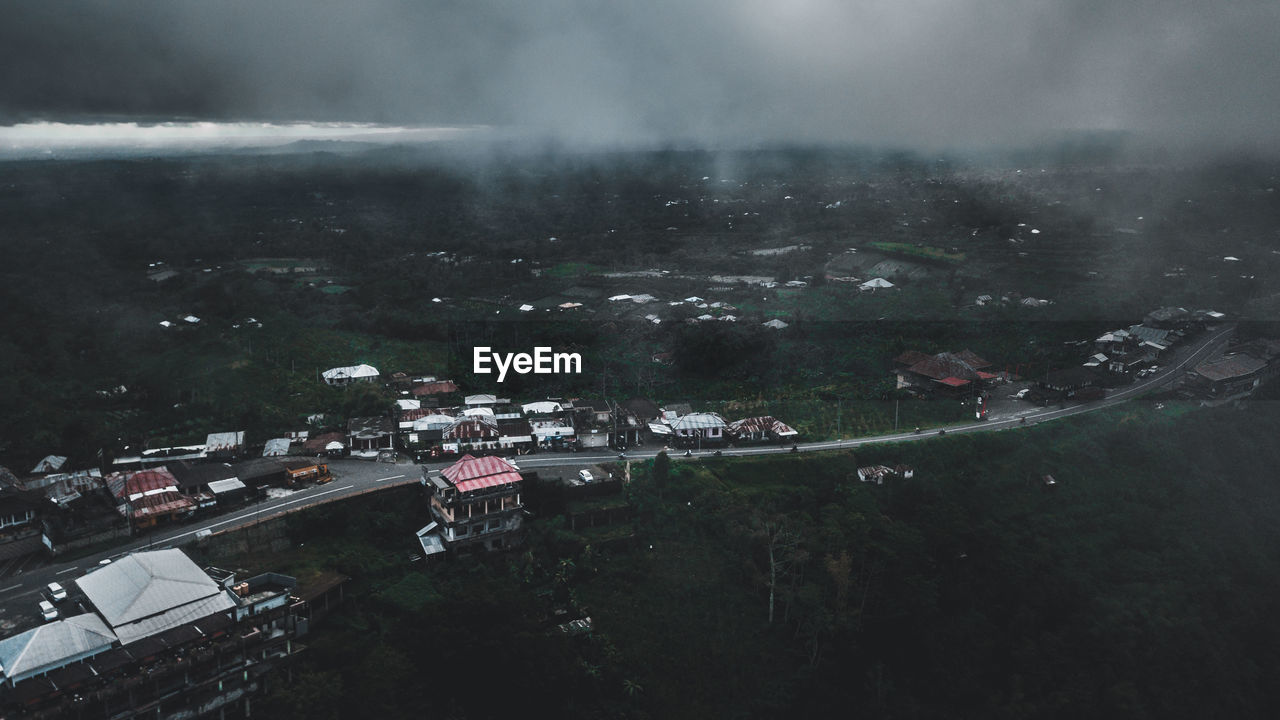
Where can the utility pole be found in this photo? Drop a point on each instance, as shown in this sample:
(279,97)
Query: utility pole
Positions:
(895,414)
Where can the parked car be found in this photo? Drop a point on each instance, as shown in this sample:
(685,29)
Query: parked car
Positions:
(585,476)
(48,611)
(57,592)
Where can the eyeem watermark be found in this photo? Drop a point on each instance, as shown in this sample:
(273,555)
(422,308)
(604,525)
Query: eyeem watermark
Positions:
(542,362)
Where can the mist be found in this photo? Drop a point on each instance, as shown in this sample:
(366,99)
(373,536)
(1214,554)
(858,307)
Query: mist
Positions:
(915,73)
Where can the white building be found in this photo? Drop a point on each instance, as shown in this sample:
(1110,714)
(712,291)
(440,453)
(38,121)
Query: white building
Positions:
(346,375)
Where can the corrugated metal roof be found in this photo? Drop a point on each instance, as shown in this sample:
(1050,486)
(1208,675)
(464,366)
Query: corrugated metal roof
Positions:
(440,387)
(50,463)
(698,421)
(472,426)
(276,446)
(53,645)
(351,371)
(762,424)
(1233,366)
(1149,334)
(482,399)
(224,441)
(472,473)
(433,422)
(146,593)
(221,486)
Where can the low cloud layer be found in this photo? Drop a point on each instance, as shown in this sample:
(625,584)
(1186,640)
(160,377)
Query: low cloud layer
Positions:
(912,72)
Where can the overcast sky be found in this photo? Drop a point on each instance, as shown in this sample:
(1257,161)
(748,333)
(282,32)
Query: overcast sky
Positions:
(908,72)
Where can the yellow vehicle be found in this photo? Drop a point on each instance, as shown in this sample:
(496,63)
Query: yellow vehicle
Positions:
(319,473)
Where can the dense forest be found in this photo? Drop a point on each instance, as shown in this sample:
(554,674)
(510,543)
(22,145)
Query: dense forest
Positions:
(1142,584)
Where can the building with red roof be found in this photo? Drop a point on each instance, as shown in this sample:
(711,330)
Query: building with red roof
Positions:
(475,503)
(950,372)
(149,496)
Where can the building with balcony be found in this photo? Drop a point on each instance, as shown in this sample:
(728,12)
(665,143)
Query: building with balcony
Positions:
(475,503)
(161,639)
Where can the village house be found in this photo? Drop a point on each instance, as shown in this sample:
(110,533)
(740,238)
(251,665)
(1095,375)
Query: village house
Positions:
(343,376)
(700,430)
(516,434)
(765,428)
(224,445)
(1226,379)
(194,480)
(593,423)
(332,444)
(276,447)
(149,497)
(1077,383)
(19,513)
(369,436)
(431,392)
(471,432)
(949,373)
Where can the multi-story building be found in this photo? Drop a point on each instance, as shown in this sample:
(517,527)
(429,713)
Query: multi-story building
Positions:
(155,637)
(474,503)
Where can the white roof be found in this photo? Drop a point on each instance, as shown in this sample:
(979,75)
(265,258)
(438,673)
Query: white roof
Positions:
(54,645)
(432,422)
(526,307)
(221,486)
(146,593)
(619,298)
(876,283)
(693,299)
(335,445)
(50,463)
(192,319)
(480,399)
(775,324)
(224,441)
(276,446)
(431,542)
(351,371)
(409,404)
(472,412)
(542,407)
(659,429)
(698,421)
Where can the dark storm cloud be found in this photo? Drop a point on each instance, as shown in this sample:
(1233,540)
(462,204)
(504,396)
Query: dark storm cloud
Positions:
(901,71)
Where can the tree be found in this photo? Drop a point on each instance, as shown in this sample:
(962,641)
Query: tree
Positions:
(782,545)
(661,472)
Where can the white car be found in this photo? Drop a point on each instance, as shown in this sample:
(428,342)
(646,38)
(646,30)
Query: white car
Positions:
(48,611)
(57,592)
(585,476)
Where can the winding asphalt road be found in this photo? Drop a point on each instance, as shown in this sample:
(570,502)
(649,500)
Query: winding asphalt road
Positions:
(357,477)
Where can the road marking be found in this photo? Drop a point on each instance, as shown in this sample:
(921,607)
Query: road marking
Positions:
(256,513)
(63,572)
(393,477)
(11,587)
